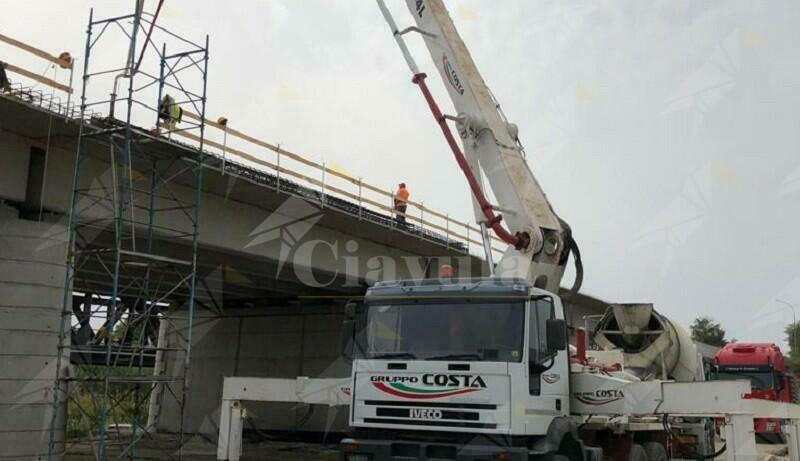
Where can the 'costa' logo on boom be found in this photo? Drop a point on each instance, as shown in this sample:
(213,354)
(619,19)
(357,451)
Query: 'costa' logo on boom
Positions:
(452,76)
(600,396)
(420,7)
(432,386)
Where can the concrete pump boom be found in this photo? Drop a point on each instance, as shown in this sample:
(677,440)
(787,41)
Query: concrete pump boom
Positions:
(539,242)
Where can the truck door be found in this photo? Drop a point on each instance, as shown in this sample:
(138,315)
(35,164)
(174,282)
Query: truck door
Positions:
(540,359)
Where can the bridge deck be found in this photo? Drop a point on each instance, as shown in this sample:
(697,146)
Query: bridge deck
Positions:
(30,114)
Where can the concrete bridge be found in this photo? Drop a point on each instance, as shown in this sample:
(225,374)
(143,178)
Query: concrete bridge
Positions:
(278,252)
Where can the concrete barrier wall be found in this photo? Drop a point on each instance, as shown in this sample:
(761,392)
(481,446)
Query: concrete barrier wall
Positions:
(32,274)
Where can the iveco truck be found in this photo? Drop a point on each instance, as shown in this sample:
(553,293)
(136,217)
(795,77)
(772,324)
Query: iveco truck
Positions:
(481,370)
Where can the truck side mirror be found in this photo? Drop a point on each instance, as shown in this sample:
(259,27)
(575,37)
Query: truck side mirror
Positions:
(347,339)
(350,311)
(556,335)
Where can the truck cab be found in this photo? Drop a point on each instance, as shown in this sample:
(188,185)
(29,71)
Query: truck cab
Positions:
(441,361)
(763,365)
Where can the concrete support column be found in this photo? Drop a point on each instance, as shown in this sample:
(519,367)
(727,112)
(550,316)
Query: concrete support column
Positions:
(792,432)
(32,272)
(739,438)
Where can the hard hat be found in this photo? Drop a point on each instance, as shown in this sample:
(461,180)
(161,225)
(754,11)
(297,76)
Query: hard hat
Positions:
(446,271)
(65,60)
(402,184)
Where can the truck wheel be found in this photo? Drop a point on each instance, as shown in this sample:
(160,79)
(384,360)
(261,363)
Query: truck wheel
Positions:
(638,453)
(655,451)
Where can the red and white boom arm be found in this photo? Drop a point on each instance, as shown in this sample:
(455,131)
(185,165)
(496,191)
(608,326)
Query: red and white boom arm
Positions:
(538,241)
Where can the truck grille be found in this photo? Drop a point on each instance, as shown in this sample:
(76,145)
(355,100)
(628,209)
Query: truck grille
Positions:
(394,403)
(425,422)
(421,414)
(446,414)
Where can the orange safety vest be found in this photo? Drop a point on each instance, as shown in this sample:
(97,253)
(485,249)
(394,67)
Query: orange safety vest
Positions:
(401,197)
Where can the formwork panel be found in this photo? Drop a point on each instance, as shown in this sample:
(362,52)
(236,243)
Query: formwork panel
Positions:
(38,319)
(26,390)
(46,274)
(22,246)
(28,342)
(29,365)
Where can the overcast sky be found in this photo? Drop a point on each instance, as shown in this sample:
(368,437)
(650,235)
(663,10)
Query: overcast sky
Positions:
(666,132)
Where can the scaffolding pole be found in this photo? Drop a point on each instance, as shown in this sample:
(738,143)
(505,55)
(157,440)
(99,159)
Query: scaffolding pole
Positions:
(133,240)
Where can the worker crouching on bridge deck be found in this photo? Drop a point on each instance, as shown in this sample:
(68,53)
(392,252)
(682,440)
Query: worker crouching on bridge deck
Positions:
(401,202)
(169,112)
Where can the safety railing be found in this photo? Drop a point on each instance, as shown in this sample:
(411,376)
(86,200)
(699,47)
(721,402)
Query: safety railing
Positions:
(49,101)
(331,181)
(284,163)
(63,61)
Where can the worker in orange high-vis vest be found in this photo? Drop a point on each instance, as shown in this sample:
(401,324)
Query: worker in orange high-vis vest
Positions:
(401,202)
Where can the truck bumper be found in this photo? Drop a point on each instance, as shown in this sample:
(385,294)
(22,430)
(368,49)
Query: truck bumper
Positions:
(405,450)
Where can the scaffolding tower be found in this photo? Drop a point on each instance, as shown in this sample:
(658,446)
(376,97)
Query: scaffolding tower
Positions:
(133,230)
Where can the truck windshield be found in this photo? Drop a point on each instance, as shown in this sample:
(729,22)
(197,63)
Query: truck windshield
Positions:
(762,380)
(441,331)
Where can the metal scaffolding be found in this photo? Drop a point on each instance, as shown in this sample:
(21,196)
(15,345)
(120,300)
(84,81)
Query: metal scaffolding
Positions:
(132,260)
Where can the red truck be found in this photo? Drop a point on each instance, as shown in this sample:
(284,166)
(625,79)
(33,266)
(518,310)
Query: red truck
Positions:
(763,365)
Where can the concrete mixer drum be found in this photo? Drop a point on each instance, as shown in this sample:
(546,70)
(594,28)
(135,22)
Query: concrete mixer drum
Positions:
(652,345)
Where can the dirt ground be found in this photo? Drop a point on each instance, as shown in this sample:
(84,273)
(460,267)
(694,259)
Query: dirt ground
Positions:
(772,452)
(200,449)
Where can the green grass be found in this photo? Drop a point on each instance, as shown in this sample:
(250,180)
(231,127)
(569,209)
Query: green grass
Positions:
(127,403)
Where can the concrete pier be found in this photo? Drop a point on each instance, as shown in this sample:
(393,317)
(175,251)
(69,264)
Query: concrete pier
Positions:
(32,275)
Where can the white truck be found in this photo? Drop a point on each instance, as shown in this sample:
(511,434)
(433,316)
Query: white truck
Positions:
(479,370)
